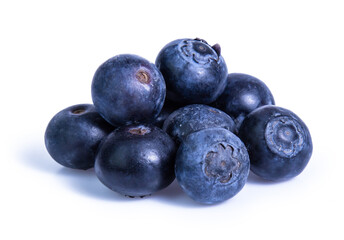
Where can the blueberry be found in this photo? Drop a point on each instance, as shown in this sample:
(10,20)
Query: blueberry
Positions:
(136,160)
(195,117)
(242,95)
(128,89)
(194,71)
(168,108)
(73,135)
(212,165)
(278,142)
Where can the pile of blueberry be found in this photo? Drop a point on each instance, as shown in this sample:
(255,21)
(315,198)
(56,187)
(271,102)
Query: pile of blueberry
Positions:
(183,117)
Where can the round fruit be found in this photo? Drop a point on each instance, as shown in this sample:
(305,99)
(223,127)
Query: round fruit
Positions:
(195,117)
(73,135)
(242,95)
(128,89)
(194,71)
(136,160)
(278,141)
(212,165)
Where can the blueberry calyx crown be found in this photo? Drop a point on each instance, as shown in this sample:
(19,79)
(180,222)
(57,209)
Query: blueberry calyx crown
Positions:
(220,163)
(199,51)
(284,136)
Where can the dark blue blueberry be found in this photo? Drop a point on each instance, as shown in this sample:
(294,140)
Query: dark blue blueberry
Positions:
(73,135)
(194,71)
(212,165)
(168,108)
(136,160)
(195,117)
(278,141)
(242,95)
(128,89)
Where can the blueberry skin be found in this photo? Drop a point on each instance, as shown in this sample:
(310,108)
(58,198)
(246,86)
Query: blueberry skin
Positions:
(242,95)
(195,117)
(136,160)
(127,89)
(212,165)
(194,71)
(278,141)
(73,135)
(168,108)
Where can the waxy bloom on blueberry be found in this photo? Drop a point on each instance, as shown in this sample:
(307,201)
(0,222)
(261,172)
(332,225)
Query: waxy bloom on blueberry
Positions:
(195,117)
(194,71)
(212,165)
(278,141)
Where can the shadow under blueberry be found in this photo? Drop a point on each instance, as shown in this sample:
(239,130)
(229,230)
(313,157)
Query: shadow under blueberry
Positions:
(36,157)
(254,179)
(174,195)
(86,182)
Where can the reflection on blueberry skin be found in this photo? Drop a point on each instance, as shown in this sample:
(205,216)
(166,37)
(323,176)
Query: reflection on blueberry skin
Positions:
(212,165)
(136,160)
(194,71)
(278,141)
(128,89)
(242,95)
(195,117)
(73,135)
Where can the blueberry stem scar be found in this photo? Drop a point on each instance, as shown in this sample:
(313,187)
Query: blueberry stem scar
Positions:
(143,77)
(78,111)
(139,131)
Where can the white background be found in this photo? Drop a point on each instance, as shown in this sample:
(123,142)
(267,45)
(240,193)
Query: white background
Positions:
(49,52)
